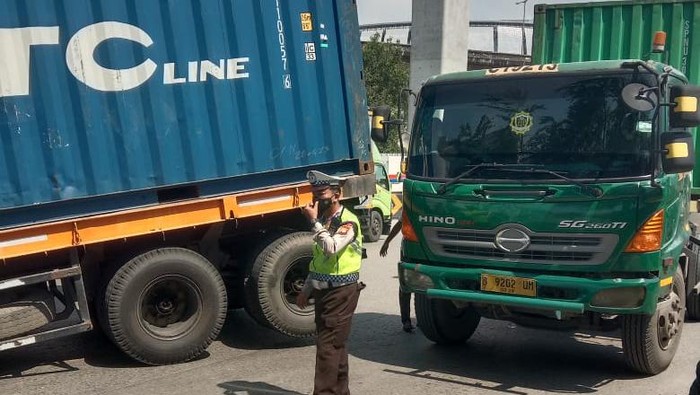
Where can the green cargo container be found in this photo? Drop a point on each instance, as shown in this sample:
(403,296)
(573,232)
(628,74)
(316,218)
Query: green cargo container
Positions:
(621,30)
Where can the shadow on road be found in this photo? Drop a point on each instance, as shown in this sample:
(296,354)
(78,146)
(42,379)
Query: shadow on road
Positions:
(500,356)
(241,331)
(17,371)
(254,388)
(52,357)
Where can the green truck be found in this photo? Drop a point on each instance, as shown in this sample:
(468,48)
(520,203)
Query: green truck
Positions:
(376,211)
(554,196)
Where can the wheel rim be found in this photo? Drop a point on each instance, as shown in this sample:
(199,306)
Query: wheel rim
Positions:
(170,308)
(292,284)
(376,226)
(670,320)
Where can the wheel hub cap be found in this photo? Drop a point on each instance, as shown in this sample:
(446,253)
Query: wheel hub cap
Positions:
(670,321)
(165,307)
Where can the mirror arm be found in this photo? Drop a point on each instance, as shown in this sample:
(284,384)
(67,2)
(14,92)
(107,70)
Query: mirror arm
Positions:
(662,81)
(404,90)
(640,64)
(655,160)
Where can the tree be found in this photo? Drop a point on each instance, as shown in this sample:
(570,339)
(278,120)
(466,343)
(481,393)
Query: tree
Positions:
(386,71)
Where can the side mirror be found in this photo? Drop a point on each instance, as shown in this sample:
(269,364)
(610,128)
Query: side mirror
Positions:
(678,153)
(381,115)
(684,113)
(640,97)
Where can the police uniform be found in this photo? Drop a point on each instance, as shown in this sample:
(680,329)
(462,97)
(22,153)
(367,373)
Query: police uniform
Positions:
(333,282)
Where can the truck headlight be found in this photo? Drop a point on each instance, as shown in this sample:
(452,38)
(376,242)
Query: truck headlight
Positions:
(630,297)
(416,281)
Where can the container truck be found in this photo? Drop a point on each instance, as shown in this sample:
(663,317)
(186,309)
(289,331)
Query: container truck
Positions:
(555,196)
(154,159)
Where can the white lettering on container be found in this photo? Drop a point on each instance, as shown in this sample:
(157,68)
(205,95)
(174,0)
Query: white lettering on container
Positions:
(234,68)
(286,76)
(15,60)
(169,75)
(80,57)
(227,69)
(15,49)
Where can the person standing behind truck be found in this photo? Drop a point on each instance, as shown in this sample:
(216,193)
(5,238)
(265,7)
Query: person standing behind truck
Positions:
(404,297)
(333,280)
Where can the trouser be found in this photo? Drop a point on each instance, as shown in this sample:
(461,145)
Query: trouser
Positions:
(334,310)
(405,305)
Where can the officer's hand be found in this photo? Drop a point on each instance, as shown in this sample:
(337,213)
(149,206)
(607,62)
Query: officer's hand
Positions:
(302,300)
(310,211)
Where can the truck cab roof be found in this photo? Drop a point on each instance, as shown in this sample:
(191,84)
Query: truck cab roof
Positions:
(548,69)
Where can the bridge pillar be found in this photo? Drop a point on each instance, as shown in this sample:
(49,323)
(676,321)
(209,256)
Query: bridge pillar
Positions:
(439,38)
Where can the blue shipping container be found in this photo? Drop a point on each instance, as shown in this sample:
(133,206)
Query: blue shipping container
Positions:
(111,104)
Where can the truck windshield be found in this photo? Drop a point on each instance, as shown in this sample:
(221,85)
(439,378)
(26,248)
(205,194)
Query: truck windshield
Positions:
(576,125)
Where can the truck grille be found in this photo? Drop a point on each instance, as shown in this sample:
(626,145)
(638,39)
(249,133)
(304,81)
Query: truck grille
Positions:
(545,248)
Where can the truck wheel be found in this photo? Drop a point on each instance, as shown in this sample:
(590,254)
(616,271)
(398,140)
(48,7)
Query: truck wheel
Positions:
(386,227)
(276,277)
(376,224)
(649,342)
(31,311)
(165,306)
(693,296)
(444,323)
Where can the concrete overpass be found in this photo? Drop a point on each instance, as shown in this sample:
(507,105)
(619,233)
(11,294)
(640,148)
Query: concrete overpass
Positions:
(478,58)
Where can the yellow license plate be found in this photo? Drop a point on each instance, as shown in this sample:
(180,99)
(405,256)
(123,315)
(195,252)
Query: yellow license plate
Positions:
(509,285)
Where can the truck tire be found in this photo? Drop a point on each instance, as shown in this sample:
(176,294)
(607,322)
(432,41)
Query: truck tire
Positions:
(649,342)
(277,275)
(164,306)
(444,323)
(693,296)
(375,227)
(386,227)
(33,310)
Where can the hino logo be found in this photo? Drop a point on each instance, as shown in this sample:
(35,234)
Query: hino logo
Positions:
(436,220)
(512,240)
(16,44)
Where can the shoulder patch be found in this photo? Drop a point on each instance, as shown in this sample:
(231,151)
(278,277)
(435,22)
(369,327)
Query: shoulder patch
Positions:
(345,229)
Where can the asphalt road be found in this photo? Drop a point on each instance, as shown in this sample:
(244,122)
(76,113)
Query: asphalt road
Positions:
(247,359)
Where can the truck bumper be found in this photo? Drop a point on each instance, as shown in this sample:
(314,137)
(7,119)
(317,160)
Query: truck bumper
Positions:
(554,292)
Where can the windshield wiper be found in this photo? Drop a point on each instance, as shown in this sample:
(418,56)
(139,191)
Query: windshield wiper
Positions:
(587,189)
(518,168)
(474,168)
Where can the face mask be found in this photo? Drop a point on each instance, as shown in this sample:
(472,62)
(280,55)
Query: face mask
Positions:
(323,205)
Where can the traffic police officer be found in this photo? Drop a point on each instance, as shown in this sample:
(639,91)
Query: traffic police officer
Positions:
(333,280)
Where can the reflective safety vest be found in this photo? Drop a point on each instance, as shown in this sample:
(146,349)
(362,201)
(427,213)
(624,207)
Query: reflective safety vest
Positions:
(347,261)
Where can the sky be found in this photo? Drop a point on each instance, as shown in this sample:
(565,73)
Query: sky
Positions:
(510,39)
(380,11)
